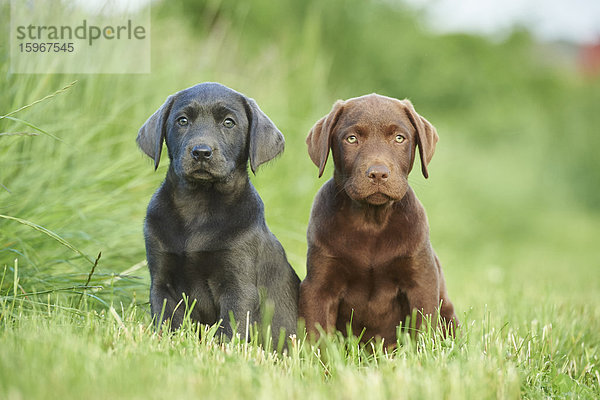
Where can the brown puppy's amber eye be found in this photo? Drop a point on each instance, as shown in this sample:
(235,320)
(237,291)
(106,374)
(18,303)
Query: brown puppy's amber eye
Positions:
(351,139)
(183,121)
(400,138)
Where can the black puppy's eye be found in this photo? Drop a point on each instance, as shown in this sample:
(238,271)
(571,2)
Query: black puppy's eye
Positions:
(400,139)
(228,123)
(183,121)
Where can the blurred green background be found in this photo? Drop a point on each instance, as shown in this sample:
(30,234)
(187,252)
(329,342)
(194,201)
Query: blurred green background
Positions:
(513,197)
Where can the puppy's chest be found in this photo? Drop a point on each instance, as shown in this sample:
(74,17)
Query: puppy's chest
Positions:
(371,276)
(374,294)
(372,258)
(209,235)
(203,232)
(382,250)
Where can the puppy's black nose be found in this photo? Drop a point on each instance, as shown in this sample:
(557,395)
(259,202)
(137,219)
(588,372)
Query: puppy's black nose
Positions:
(202,152)
(378,173)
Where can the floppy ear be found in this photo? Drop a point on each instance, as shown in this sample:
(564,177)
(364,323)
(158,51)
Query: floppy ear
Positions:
(426,137)
(319,137)
(266,141)
(151,135)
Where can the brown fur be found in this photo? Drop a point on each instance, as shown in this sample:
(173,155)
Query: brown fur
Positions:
(370,260)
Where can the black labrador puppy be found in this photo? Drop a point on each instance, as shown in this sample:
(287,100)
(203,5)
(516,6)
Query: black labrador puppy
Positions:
(205,231)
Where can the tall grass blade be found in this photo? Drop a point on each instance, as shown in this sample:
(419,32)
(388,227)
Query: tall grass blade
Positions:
(89,278)
(37,128)
(59,91)
(49,233)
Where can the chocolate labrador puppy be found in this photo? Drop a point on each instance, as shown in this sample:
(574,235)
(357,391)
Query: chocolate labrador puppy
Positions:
(370,262)
(205,229)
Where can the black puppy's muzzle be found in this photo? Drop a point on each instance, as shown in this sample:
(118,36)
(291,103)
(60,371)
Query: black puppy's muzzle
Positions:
(202,152)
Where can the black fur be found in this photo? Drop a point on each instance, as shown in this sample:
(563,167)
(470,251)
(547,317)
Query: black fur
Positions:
(205,230)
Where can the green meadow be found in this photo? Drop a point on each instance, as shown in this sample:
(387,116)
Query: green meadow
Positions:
(513,201)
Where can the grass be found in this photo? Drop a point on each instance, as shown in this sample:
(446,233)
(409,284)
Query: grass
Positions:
(117,354)
(512,208)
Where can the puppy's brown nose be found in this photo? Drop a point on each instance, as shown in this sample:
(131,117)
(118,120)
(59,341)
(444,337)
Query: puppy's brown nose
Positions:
(378,173)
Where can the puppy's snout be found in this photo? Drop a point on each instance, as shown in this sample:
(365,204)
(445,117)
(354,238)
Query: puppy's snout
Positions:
(378,173)
(202,152)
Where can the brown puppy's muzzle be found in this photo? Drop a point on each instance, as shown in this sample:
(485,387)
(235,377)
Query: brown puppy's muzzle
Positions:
(375,182)
(378,173)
